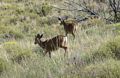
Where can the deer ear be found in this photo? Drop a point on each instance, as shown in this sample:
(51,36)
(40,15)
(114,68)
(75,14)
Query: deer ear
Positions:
(38,35)
(59,18)
(41,35)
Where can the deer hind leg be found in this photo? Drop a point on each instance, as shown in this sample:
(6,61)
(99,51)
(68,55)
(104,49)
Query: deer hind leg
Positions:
(73,35)
(65,49)
(75,29)
(66,33)
(45,53)
(64,44)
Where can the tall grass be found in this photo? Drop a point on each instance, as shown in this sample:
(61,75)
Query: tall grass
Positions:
(94,53)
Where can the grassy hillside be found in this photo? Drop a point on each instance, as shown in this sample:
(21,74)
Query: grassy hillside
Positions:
(94,53)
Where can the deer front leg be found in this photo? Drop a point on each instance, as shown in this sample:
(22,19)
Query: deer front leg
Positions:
(49,54)
(45,53)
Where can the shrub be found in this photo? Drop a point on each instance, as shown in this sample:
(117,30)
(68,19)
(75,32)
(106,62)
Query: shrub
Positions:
(38,50)
(110,49)
(2,65)
(108,69)
(21,56)
(92,23)
(44,9)
(3,29)
(48,20)
(117,28)
(16,34)
(11,32)
(16,51)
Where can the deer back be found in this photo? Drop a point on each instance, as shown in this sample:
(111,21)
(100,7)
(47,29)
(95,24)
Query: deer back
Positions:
(54,43)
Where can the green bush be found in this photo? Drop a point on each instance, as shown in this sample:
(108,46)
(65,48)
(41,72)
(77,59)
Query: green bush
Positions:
(110,49)
(38,50)
(21,56)
(107,69)
(16,51)
(43,10)
(117,28)
(8,0)
(16,34)
(48,20)
(2,65)
(3,29)
(46,9)
(11,32)
(92,23)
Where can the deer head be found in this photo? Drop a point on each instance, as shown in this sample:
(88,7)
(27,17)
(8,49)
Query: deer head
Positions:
(37,38)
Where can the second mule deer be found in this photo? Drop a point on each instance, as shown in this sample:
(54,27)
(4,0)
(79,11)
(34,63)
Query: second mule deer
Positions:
(52,44)
(69,27)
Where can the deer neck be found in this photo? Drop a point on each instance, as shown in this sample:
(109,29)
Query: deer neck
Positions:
(63,22)
(41,43)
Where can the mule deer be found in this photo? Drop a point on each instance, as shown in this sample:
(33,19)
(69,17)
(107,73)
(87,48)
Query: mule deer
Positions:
(69,27)
(52,44)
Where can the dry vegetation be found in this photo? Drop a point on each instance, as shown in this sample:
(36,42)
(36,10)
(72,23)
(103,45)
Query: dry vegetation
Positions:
(94,53)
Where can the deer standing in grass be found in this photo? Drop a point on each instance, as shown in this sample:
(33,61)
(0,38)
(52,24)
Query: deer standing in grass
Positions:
(69,27)
(52,44)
